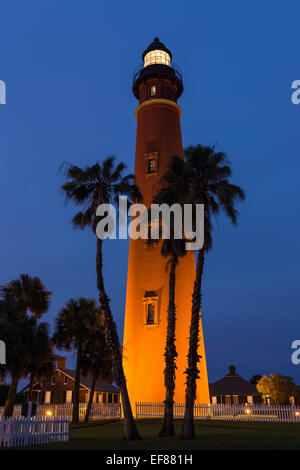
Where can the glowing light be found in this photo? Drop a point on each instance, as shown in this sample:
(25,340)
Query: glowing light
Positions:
(248,411)
(157,57)
(49,413)
(152,90)
(297,413)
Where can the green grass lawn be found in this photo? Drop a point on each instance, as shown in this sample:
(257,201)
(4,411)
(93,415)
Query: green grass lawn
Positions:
(211,435)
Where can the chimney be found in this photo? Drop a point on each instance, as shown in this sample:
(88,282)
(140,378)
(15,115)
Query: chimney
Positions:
(60,362)
(232,370)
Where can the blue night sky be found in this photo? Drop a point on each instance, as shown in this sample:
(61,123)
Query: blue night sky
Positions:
(68,69)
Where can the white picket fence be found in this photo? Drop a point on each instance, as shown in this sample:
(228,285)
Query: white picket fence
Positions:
(16,412)
(22,431)
(263,413)
(98,411)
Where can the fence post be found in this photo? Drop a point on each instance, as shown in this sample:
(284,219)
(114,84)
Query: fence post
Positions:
(29,409)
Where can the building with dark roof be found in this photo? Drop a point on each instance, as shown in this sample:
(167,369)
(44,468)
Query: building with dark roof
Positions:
(58,389)
(233,389)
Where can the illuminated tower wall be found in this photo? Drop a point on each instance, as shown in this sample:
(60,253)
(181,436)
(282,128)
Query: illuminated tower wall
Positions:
(157,86)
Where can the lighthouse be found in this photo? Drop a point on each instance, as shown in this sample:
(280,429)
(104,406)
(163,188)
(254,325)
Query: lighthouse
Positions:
(157,85)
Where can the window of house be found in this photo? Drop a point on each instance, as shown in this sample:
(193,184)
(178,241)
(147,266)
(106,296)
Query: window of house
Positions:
(47,397)
(69,396)
(228,400)
(66,380)
(109,398)
(152,90)
(99,398)
(115,398)
(235,399)
(53,381)
(104,397)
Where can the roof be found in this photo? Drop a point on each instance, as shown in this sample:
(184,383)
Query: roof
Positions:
(86,382)
(232,384)
(157,45)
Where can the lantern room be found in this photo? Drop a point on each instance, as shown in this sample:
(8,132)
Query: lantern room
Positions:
(156,78)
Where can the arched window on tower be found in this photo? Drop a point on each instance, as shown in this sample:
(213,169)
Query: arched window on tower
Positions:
(151,160)
(150,308)
(151,165)
(150,314)
(152,91)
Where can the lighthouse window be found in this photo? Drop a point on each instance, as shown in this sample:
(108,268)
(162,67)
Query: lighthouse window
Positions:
(157,57)
(150,314)
(150,308)
(152,90)
(151,165)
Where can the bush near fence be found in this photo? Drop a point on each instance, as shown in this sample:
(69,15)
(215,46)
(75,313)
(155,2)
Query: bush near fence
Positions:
(247,412)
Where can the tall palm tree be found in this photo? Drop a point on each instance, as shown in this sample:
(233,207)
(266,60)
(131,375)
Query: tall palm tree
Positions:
(96,359)
(172,249)
(202,178)
(29,293)
(71,332)
(209,174)
(88,188)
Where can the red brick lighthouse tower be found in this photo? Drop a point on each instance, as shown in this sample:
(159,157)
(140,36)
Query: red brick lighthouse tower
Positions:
(157,86)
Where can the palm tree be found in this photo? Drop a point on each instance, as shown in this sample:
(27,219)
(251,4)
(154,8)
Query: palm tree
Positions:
(172,249)
(88,188)
(17,331)
(23,295)
(71,332)
(209,174)
(96,359)
(41,365)
(202,178)
(4,388)
(29,293)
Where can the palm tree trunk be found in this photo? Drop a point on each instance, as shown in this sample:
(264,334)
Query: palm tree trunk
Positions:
(170,357)
(130,429)
(11,397)
(188,431)
(75,413)
(91,397)
(30,388)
